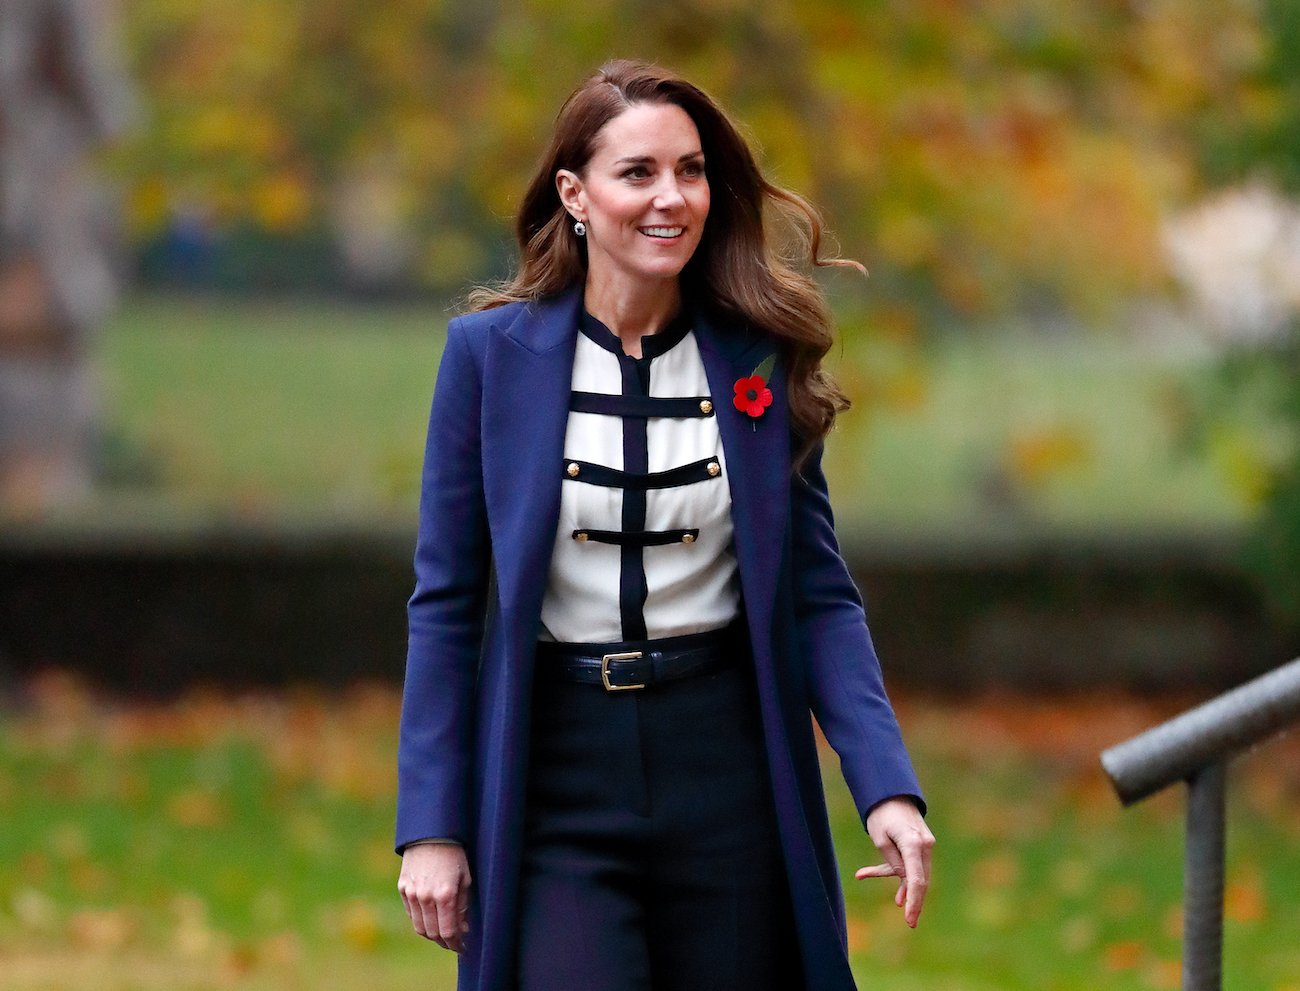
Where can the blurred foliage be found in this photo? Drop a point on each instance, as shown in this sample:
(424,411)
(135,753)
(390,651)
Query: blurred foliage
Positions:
(1015,156)
(978,157)
(244,842)
(1244,412)
(1274,547)
(1267,141)
(1274,551)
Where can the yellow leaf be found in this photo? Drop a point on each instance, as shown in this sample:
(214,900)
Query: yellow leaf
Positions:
(359,926)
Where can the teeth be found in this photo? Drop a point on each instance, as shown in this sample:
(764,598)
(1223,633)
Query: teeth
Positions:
(662,231)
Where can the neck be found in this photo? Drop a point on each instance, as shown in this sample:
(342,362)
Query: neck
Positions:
(632,311)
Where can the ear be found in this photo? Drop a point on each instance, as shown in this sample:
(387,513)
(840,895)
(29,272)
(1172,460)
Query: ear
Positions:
(569,186)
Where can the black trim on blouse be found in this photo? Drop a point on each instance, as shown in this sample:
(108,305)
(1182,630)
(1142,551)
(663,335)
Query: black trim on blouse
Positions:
(640,481)
(639,538)
(643,406)
(652,345)
(635,406)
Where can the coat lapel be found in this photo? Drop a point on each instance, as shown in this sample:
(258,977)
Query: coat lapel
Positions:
(526,382)
(758,462)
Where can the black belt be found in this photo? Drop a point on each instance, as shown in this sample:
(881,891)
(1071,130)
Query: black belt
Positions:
(621,667)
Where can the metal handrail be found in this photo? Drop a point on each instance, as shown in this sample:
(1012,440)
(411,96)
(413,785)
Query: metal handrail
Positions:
(1195,747)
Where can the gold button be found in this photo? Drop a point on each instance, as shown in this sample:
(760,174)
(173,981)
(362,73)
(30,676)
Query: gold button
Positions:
(573,469)
(706,407)
(580,535)
(714,468)
(688,538)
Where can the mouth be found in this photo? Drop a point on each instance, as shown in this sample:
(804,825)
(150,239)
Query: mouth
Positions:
(662,233)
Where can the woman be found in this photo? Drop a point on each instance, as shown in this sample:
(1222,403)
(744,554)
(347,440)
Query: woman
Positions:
(629,594)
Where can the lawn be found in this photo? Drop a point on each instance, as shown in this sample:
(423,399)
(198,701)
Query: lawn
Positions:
(316,409)
(243,842)
(268,409)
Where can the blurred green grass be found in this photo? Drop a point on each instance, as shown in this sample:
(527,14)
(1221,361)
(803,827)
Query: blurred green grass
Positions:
(270,407)
(243,841)
(1081,431)
(312,408)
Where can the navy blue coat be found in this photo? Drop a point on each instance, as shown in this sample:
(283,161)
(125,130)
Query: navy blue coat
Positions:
(489,509)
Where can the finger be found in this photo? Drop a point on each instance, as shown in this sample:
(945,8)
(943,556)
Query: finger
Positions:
(895,867)
(927,850)
(413,911)
(456,941)
(426,917)
(926,847)
(436,934)
(428,927)
(889,850)
(448,918)
(917,878)
(914,899)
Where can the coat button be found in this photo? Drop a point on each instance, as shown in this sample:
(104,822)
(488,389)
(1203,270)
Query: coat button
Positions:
(688,538)
(706,407)
(580,535)
(572,469)
(714,468)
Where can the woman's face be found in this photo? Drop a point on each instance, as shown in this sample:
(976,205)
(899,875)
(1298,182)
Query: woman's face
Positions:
(643,196)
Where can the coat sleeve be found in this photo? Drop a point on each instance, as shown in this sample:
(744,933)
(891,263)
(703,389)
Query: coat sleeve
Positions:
(446,612)
(845,685)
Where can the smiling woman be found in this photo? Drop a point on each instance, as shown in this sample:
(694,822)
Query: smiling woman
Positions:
(617,742)
(642,207)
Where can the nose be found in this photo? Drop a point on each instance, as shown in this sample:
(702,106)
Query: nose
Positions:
(668,196)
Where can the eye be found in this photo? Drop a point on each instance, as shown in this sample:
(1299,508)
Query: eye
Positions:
(693,169)
(636,172)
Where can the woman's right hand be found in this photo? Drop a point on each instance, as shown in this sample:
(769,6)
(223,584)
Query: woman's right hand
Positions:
(434,884)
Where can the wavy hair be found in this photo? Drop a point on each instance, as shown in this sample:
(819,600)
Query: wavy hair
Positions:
(735,268)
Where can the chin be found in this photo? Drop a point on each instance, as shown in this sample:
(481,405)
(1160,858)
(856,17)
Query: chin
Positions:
(663,275)
(666,268)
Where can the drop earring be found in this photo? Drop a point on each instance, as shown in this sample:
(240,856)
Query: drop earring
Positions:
(579,228)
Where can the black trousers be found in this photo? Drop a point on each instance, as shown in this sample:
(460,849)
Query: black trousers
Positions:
(651,857)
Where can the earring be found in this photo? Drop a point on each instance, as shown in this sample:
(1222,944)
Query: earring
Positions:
(579,228)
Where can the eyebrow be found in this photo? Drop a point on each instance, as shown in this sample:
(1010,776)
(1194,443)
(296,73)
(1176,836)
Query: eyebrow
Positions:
(647,159)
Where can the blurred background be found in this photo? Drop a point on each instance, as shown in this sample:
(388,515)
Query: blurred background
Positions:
(231,235)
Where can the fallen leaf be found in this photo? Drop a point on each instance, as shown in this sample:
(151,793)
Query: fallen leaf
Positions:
(1124,954)
(101,929)
(195,808)
(359,926)
(1243,900)
(1163,974)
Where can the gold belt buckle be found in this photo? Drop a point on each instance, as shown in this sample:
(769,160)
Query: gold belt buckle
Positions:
(631,655)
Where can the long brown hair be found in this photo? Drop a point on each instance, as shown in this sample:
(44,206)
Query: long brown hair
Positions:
(734,268)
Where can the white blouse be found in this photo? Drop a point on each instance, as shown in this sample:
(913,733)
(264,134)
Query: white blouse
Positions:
(644,546)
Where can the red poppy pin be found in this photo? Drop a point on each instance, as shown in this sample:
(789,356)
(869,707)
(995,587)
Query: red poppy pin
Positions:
(753,396)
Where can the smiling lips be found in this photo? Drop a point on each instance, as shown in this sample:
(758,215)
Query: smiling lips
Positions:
(662,232)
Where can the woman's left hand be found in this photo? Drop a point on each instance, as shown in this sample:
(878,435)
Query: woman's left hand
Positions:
(905,841)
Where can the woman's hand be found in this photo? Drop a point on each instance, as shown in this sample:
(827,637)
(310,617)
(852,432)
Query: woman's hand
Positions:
(434,884)
(904,840)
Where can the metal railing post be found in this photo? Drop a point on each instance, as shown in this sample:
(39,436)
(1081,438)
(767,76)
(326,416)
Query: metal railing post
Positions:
(1203,879)
(1196,747)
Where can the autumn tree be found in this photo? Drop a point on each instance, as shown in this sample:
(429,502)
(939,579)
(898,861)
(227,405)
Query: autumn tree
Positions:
(978,157)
